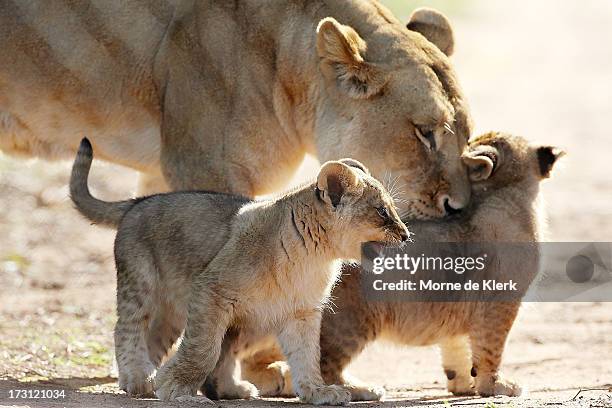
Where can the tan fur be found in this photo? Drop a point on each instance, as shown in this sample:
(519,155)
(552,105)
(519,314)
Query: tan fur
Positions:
(210,265)
(278,294)
(435,27)
(230,95)
(471,336)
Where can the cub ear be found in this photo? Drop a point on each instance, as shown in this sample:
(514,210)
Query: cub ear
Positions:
(434,26)
(547,157)
(481,161)
(341,51)
(356,164)
(336,180)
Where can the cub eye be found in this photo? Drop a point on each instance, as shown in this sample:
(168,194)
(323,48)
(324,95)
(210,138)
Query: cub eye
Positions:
(382,211)
(427,138)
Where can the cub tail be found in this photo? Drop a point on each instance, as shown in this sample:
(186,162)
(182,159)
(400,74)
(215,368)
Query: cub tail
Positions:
(97,211)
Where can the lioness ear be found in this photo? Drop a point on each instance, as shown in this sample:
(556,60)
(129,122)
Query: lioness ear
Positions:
(341,51)
(480,162)
(336,180)
(547,157)
(434,26)
(356,164)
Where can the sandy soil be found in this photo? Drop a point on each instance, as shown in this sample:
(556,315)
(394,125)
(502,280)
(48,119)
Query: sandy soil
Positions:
(541,69)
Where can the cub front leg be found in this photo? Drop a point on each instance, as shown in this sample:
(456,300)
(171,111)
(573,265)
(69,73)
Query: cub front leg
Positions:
(344,335)
(207,321)
(299,339)
(488,337)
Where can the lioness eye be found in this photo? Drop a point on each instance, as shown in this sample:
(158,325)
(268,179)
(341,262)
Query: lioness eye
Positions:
(427,138)
(382,211)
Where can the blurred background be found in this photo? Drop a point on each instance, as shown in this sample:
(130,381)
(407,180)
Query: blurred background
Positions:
(539,68)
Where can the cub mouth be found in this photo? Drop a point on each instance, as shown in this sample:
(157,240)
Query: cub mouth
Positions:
(373,250)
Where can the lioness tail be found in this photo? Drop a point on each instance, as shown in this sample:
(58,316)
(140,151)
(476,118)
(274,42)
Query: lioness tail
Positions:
(97,211)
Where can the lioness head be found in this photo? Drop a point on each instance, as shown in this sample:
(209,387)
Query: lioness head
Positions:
(391,100)
(358,205)
(496,160)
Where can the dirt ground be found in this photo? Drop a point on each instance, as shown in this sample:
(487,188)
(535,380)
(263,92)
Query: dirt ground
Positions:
(537,68)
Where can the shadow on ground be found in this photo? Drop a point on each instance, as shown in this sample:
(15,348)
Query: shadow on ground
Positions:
(98,392)
(103,392)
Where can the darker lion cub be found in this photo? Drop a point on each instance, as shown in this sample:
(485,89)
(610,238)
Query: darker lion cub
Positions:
(506,172)
(205,264)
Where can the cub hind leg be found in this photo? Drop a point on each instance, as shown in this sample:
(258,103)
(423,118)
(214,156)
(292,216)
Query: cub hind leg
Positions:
(268,371)
(225,381)
(457,364)
(165,328)
(488,337)
(135,306)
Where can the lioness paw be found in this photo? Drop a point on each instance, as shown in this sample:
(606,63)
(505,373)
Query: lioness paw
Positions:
(324,395)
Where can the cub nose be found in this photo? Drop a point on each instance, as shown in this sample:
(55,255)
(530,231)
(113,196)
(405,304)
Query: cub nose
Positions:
(450,207)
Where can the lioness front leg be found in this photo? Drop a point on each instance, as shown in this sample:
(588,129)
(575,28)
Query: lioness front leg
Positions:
(181,377)
(299,339)
(488,337)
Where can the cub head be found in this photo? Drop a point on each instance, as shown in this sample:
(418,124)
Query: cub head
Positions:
(496,160)
(358,206)
(390,99)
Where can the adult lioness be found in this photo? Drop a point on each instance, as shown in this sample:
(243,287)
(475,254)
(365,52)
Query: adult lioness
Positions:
(230,95)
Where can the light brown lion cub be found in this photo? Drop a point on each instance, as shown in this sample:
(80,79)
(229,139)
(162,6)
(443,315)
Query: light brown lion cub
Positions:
(506,173)
(276,264)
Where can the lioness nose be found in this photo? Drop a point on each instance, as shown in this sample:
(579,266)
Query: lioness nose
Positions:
(450,207)
(404,235)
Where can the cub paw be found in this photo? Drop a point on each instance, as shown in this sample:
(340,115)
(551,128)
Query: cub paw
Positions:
(365,392)
(169,388)
(284,385)
(461,385)
(137,384)
(325,395)
(496,385)
(239,390)
(273,380)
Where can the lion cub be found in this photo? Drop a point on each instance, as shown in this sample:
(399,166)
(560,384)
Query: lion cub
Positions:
(269,266)
(506,173)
